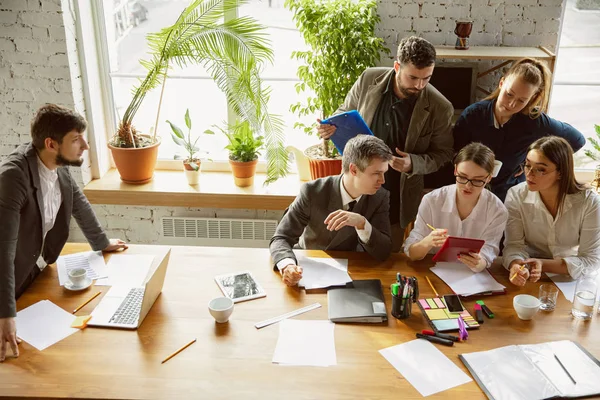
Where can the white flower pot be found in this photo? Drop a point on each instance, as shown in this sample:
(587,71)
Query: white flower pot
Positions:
(192,176)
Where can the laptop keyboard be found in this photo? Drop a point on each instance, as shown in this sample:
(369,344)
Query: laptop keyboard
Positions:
(129,310)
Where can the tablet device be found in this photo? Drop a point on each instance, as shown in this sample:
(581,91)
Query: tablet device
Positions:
(348,125)
(240,286)
(453,246)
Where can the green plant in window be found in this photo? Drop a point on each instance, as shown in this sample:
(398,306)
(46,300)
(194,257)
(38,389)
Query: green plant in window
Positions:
(594,155)
(233,51)
(185,141)
(243,145)
(342,40)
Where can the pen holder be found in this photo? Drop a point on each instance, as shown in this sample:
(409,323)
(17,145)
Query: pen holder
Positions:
(401,307)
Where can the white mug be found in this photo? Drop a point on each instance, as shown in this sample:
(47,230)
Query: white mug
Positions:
(77,276)
(221,308)
(526,306)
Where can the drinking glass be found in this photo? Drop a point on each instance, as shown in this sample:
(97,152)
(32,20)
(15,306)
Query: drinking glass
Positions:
(548,296)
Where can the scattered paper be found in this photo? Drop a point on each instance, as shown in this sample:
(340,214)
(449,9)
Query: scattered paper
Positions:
(566,284)
(465,282)
(425,367)
(92,261)
(127,270)
(43,324)
(323,272)
(305,342)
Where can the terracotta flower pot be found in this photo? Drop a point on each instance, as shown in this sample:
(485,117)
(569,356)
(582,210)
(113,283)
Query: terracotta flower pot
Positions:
(136,166)
(192,175)
(243,172)
(320,168)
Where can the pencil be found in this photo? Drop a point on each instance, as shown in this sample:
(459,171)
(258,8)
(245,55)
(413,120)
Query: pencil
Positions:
(431,284)
(515,274)
(178,351)
(431,227)
(87,301)
(563,367)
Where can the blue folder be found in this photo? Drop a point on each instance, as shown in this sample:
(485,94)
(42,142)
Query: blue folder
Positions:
(348,124)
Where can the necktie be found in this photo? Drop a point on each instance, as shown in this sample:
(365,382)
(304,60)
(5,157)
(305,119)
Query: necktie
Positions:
(351,205)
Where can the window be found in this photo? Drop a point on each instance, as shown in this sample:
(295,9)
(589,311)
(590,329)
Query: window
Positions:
(127,24)
(576,90)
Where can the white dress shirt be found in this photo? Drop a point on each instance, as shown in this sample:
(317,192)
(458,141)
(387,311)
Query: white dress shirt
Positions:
(363,234)
(486,221)
(532,232)
(50,193)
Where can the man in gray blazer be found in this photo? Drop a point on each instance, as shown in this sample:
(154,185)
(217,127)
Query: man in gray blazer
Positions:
(346,212)
(38,196)
(411,117)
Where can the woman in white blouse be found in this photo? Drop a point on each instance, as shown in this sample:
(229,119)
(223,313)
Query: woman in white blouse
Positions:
(465,209)
(553,220)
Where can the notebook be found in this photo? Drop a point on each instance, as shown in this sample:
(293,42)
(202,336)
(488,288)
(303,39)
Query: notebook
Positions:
(440,319)
(348,125)
(539,371)
(361,301)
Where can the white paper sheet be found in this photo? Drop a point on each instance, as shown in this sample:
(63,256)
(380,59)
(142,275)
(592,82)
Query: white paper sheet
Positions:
(566,284)
(44,323)
(425,367)
(92,261)
(305,342)
(465,282)
(323,272)
(127,270)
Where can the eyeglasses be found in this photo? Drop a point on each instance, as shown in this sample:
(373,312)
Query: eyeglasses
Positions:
(526,168)
(475,182)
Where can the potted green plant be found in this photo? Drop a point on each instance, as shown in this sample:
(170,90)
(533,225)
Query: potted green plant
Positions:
(342,40)
(233,51)
(191,164)
(244,148)
(595,155)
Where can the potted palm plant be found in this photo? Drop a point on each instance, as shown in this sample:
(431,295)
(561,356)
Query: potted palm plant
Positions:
(341,36)
(191,164)
(595,155)
(244,148)
(233,51)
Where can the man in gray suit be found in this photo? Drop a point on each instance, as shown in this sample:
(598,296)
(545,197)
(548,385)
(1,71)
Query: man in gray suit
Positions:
(38,196)
(411,117)
(345,212)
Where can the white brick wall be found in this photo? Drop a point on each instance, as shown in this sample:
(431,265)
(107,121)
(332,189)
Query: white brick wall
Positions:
(39,63)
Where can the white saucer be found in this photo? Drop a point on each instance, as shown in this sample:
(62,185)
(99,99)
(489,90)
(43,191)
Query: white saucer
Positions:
(86,284)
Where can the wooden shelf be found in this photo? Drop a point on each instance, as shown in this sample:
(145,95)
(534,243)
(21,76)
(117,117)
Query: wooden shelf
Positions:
(494,53)
(215,190)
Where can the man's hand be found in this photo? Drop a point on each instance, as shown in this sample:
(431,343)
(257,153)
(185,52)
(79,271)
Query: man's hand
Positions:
(8,336)
(518,274)
(325,131)
(402,163)
(340,218)
(115,244)
(291,274)
(472,260)
(535,269)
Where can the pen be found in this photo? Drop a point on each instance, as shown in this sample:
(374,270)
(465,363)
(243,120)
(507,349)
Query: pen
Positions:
(431,284)
(435,339)
(440,335)
(563,367)
(178,351)
(430,227)
(86,302)
(515,274)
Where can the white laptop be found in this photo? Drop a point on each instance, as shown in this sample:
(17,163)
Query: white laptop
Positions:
(127,306)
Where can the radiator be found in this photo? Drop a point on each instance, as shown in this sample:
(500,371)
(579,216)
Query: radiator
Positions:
(224,232)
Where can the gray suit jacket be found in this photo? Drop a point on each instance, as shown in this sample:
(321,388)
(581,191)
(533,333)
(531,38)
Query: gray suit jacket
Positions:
(428,141)
(21,211)
(303,222)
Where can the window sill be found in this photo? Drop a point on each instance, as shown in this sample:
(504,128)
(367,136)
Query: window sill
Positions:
(215,190)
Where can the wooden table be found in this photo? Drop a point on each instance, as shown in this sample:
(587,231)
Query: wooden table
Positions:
(233,360)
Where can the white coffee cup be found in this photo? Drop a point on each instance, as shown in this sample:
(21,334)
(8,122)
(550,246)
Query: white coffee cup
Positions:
(526,306)
(77,276)
(221,308)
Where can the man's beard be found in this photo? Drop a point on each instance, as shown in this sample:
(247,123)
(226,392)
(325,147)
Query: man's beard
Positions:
(60,160)
(408,93)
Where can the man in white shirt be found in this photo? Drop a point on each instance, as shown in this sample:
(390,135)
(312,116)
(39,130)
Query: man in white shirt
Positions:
(348,212)
(38,196)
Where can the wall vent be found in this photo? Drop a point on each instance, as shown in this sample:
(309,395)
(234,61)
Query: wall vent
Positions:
(217,231)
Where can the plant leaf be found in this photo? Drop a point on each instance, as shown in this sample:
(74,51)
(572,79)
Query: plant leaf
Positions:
(176,130)
(188,121)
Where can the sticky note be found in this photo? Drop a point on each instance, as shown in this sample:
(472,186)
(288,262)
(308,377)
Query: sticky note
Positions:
(436,314)
(424,304)
(450,315)
(81,321)
(439,302)
(431,303)
(446,324)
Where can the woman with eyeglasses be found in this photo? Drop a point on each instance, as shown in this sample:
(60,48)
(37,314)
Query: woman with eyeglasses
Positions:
(511,118)
(465,209)
(553,220)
